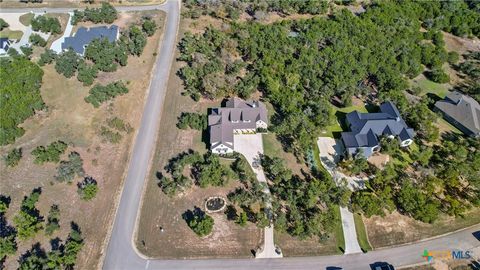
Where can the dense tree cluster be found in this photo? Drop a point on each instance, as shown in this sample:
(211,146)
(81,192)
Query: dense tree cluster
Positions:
(67,63)
(100,94)
(199,221)
(192,120)
(105,55)
(105,14)
(449,183)
(303,207)
(257,9)
(50,153)
(28,220)
(61,256)
(37,40)
(47,57)
(46,24)
(68,169)
(422,119)
(149,26)
(87,189)
(206,170)
(13,157)
(20,82)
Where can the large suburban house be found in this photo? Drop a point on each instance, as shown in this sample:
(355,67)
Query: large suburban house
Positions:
(84,36)
(367,128)
(461,111)
(237,117)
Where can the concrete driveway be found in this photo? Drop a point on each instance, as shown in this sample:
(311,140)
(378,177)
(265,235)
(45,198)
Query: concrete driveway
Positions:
(57,44)
(251,147)
(329,155)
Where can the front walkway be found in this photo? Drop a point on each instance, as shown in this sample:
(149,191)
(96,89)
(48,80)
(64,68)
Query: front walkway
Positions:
(251,146)
(329,150)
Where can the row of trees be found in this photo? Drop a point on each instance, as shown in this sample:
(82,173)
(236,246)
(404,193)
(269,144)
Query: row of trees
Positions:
(46,24)
(105,14)
(192,120)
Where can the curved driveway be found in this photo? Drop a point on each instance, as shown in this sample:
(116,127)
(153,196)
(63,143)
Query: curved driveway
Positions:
(121,254)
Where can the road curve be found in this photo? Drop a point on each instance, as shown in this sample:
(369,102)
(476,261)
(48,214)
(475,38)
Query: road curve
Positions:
(121,253)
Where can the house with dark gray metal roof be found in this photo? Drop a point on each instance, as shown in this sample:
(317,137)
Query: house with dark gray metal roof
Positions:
(367,128)
(84,36)
(237,117)
(4,45)
(461,111)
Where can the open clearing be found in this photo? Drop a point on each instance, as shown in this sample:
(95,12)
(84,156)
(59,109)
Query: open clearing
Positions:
(395,229)
(69,118)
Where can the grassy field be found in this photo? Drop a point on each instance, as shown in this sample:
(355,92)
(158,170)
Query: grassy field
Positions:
(273,148)
(70,119)
(427,86)
(395,229)
(7,33)
(361,233)
(26,19)
(338,126)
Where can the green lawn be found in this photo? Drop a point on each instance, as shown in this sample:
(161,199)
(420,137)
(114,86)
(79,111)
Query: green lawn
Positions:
(11,34)
(335,128)
(361,233)
(26,19)
(339,232)
(427,86)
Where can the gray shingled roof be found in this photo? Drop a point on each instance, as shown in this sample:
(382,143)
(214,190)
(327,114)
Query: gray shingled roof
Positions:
(237,114)
(366,127)
(85,35)
(463,109)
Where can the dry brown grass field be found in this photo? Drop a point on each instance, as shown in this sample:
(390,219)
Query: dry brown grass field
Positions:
(70,119)
(75,3)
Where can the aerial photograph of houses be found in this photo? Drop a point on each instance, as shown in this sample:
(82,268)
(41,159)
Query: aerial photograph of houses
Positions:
(236,134)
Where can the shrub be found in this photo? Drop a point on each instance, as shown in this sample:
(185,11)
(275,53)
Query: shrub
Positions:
(438,75)
(3,25)
(51,153)
(87,188)
(47,57)
(192,120)
(67,170)
(149,26)
(46,24)
(106,14)
(53,220)
(199,222)
(37,40)
(100,94)
(67,63)
(13,157)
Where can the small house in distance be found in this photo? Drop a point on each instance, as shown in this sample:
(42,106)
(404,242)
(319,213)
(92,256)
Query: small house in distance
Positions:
(366,129)
(4,45)
(461,111)
(237,117)
(84,36)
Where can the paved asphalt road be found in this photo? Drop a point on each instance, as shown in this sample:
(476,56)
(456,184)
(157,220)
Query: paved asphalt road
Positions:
(121,254)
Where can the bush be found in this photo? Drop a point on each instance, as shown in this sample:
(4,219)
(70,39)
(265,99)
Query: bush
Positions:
(70,168)
(137,41)
(67,63)
(46,24)
(100,94)
(3,25)
(199,222)
(47,57)
(192,120)
(438,75)
(51,153)
(87,188)
(86,74)
(13,157)
(453,58)
(149,26)
(27,51)
(37,40)
(53,220)
(28,221)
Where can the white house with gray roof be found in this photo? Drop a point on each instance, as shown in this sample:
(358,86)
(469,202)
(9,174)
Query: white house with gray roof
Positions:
(461,111)
(237,117)
(367,128)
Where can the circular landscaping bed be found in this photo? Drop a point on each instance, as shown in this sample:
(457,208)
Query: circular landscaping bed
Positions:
(215,204)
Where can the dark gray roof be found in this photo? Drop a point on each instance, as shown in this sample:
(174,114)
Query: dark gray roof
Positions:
(85,35)
(237,114)
(463,109)
(4,43)
(366,127)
